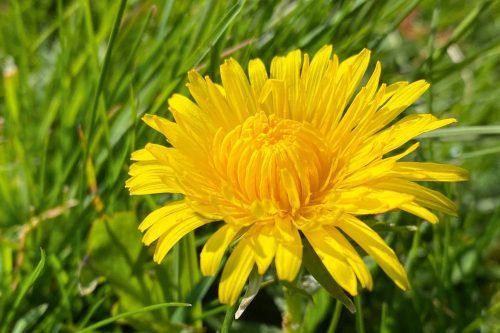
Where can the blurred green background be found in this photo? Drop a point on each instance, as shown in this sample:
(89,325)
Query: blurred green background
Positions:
(75,85)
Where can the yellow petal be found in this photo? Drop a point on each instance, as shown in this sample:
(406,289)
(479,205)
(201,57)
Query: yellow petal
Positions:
(169,224)
(177,228)
(159,152)
(236,272)
(366,200)
(183,109)
(184,141)
(192,120)
(365,121)
(287,70)
(142,185)
(391,90)
(405,96)
(214,248)
(198,88)
(314,74)
(352,257)
(408,128)
(394,137)
(152,173)
(219,109)
(289,250)
(330,107)
(420,171)
(419,211)
(211,99)
(166,127)
(330,253)
(141,155)
(348,122)
(169,211)
(153,167)
(150,177)
(360,113)
(423,196)
(264,247)
(355,68)
(375,246)
(280,103)
(258,75)
(372,84)
(292,192)
(239,95)
(374,170)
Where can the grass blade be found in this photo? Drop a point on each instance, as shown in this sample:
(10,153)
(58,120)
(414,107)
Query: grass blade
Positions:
(128,314)
(462,133)
(100,84)
(23,289)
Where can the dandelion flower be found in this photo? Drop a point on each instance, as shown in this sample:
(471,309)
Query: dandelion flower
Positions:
(297,152)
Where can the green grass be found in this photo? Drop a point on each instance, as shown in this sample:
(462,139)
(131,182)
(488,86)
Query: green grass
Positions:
(78,75)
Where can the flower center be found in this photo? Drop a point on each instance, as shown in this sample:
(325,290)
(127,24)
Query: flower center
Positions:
(273,165)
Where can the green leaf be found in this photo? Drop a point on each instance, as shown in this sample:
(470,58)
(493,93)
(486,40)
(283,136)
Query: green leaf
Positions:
(115,251)
(316,311)
(315,266)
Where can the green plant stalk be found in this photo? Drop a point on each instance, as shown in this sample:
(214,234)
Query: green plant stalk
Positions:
(228,318)
(194,277)
(292,318)
(360,326)
(332,327)
(410,262)
(446,253)
(383,319)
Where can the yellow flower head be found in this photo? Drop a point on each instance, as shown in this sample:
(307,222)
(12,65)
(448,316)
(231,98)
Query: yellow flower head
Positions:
(290,154)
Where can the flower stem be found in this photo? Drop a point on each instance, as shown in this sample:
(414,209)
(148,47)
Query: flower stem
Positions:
(228,318)
(292,318)
(336,316)
(360,326)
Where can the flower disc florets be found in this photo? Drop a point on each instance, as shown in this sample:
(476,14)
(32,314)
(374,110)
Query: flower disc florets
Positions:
(273,166)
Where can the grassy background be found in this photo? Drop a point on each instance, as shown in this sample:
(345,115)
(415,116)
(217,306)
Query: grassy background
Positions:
(73,89)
